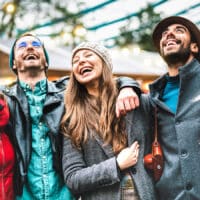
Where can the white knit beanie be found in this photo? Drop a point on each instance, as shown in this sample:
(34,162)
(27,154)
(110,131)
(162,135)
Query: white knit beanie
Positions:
(97,48)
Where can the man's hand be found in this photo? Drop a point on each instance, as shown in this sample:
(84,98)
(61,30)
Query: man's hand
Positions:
(126,101)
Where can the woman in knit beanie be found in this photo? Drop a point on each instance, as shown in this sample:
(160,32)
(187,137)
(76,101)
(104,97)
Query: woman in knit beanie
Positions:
(97,162)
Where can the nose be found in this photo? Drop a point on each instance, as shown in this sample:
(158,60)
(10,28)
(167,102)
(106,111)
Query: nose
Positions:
(29,45)
(82,59)
(169,34)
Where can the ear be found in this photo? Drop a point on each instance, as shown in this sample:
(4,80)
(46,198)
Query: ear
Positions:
(194,48)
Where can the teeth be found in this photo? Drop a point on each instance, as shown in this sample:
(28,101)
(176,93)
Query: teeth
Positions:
(30,57)
(170,42)
(83,70)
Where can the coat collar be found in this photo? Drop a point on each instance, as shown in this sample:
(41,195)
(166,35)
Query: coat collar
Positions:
(185,72)
(106,148)
(16,90)
(53,91)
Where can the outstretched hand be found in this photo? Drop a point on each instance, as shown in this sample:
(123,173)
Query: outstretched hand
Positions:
(126,101)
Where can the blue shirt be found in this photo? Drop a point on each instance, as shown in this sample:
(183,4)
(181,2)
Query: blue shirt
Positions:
(171,92)
(43,182)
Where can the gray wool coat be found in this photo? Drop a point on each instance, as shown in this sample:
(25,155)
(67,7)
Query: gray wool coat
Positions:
(180,136)
(92,172)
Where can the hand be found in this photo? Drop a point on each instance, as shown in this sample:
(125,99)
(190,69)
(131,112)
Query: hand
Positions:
(128,156)
(127,100)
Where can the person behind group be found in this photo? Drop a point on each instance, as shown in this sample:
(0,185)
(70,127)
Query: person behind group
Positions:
(100,159)
(7,154)
(176,95)
(36,108)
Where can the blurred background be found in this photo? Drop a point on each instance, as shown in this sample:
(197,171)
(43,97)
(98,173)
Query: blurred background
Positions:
(124,26)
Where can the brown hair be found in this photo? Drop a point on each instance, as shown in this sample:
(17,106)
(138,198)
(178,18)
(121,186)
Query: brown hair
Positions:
(84,113)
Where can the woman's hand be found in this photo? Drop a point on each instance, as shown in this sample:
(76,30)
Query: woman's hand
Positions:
(128,156)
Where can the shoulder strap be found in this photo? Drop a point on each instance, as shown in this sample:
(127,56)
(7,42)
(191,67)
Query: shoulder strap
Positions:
(156,126)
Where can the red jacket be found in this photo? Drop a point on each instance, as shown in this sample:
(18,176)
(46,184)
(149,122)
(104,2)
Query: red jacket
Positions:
(7,156)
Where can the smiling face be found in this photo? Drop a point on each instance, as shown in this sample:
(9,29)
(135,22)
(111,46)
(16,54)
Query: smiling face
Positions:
(29,54)
(176,45)
(87,68)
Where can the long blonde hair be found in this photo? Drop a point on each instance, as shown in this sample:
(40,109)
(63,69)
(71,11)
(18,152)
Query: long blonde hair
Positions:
(84,112)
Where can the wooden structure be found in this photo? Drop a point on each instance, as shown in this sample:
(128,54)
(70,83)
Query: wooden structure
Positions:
(131,66)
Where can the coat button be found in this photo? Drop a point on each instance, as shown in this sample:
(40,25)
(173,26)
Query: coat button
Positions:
(188,186)
(184,153)
(134,170)
(178,122)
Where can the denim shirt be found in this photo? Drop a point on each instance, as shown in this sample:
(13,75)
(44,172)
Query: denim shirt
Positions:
(43,182)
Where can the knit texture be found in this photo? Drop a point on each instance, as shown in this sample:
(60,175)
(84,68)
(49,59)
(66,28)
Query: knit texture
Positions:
(97,48)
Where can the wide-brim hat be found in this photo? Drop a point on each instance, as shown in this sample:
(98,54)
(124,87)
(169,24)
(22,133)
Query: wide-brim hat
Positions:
(163,24)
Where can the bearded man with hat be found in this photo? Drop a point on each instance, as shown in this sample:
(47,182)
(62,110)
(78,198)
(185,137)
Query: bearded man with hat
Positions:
(36,108)
(176,95)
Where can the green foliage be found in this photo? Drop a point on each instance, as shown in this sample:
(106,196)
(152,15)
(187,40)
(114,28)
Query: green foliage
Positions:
(148,18)
(35,14)
(142,35)
(38,14)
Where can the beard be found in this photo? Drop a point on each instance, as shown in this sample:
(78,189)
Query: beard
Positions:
(180,56)
(24,66)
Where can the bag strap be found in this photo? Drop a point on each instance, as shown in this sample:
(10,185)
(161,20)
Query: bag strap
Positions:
(156,126)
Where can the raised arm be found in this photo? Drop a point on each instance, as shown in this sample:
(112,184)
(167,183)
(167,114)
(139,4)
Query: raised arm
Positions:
(129,92)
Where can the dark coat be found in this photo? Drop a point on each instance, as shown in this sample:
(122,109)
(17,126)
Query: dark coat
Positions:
(21,125)
(180,136)
(92,171)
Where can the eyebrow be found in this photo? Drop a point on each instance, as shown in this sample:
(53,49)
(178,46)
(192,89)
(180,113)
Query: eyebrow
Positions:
(181,26)
(178,26)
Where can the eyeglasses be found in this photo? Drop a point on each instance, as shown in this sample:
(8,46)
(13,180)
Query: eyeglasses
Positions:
(23,44)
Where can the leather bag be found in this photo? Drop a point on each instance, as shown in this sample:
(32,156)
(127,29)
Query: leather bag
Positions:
(155,161)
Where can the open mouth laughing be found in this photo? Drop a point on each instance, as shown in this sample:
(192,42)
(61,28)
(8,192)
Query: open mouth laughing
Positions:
(85,70)
(31,56)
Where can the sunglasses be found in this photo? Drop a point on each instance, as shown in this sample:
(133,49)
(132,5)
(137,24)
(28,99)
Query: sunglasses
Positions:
(23,44)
